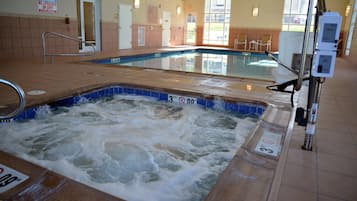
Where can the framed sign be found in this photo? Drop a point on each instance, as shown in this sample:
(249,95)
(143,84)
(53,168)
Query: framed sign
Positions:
(47,6)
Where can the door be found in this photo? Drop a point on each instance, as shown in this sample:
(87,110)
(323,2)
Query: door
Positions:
(191,29)
(125,22)
(166,26)
(89,25)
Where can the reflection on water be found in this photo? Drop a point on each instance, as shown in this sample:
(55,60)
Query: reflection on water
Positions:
(245,65)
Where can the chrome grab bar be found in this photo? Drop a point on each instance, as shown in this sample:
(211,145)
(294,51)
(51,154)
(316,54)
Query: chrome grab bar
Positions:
(20,93)
(305,46)
(44,50)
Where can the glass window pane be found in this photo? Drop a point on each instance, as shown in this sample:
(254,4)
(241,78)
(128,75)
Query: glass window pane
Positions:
(228,6)
(287,6)
(207,6)
(295,15)
(217,19)
(285,28)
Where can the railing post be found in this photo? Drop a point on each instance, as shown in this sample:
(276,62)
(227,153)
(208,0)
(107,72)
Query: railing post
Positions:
(44,47)
(45,54)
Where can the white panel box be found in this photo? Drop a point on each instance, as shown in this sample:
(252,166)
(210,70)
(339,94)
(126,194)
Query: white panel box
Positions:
(328,31)
(324,64)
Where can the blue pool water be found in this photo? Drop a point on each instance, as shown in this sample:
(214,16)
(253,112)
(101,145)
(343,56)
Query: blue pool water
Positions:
(205,61)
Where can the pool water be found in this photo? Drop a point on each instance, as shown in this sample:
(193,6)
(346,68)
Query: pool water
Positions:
(247,65)
(133,147)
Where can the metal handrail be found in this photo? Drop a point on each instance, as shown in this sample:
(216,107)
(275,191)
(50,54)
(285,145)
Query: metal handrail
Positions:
(20,93)
(45,54)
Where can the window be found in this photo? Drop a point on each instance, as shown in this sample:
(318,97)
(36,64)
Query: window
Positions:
(352,32)
(295,15)
(216,22)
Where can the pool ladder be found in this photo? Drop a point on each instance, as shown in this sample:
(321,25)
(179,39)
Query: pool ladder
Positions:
(52,55)
(22,103)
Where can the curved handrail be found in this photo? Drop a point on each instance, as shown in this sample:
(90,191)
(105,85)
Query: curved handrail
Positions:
(20,93)
(44,36)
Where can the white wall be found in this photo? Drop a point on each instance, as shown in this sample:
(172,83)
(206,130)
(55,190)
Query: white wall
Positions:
(290,43)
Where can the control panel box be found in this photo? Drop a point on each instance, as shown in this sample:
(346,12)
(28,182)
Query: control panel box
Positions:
(328,31)
(324,63)
(326,47)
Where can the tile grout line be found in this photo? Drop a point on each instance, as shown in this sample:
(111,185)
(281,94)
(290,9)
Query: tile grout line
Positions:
(316,170)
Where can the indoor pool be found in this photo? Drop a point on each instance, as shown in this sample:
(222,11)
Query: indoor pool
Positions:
(206,61)
(134,147)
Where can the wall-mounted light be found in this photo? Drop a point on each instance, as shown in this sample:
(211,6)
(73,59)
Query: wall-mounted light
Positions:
(178,10)
(348,10)
(249,87)
(136,3)
(255,12)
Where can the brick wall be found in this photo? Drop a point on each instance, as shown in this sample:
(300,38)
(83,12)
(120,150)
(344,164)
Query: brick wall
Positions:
(20,36)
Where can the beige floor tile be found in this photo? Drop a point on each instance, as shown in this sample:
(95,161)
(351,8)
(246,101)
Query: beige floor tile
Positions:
(288,193)
(296,141)
(331,124)
(299,177)
(327,198)
(337,185)
(333,137)
(337,164)
(302,158)
(340,150)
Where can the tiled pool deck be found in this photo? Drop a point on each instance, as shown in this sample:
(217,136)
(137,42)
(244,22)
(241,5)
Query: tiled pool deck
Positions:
(328,173)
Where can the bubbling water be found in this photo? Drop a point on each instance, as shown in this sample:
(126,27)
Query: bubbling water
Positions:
(132,147)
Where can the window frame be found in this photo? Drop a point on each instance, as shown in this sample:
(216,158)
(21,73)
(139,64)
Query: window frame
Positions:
(298,18)
(214,17)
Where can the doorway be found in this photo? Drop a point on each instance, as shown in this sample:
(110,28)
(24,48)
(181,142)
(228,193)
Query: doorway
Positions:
(191,29)
(166,26)
(124,26)
(88,13)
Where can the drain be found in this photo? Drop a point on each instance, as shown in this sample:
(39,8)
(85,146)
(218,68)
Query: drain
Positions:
(36,92)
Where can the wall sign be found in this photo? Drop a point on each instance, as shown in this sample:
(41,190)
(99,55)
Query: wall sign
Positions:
(269,144)
(47,6)
(172,98)
(9,178)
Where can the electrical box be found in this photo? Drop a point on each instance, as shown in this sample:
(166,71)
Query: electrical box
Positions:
(328,31)
(326,47)
(324,63)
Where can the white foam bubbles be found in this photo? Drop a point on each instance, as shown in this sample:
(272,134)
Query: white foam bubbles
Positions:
(132,147)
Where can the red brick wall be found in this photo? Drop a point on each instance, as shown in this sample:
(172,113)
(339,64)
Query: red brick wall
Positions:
(20,37)
(255,34)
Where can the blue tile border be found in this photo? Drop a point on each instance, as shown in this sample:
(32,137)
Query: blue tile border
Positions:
(229,106)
